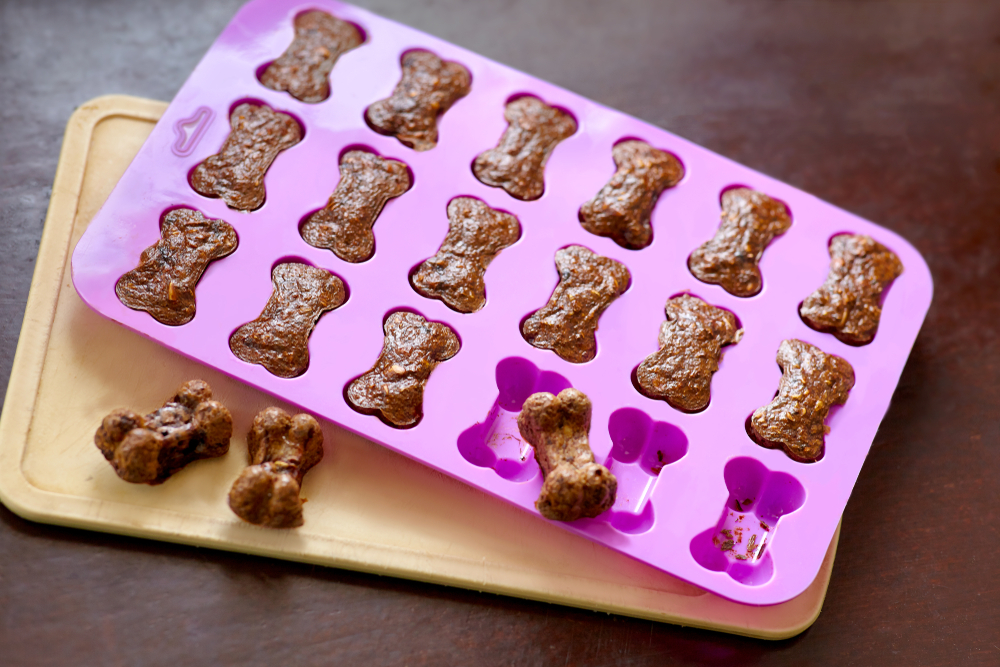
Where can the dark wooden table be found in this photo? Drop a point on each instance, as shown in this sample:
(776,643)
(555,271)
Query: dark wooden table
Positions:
(890,110)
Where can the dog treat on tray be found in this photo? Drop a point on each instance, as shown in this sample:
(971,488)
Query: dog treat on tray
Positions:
(304,68)
(394,387)
(623,207)
(848,304)
(477,234)
(278,340)
(750,219)
(282,449)
(428,88)
(691,342)
(163,283)
(236,173)
(812,381)
(149,449)
(517,164)
(567,324)
(558,427)
(344,225)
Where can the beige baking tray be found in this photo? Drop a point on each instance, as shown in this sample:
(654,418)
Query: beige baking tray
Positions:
(369,509)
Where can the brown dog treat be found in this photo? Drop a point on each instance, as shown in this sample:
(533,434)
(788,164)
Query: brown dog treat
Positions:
(517,164)
(558,427)
(567,324)
(428,88)
(189,426)
(164,281)
(812,381)
(394,387)
(344,226)
(691,343)
(304,68)
(236,173)
(623,207)
(750,219)
(476,235)
(278,340)
(848,303)
(282,449)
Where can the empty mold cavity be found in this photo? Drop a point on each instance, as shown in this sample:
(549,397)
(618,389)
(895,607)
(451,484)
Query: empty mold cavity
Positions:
(496,442)
(738,544)
(641,449)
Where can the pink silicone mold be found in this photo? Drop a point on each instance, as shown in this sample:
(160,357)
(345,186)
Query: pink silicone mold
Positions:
(677,471)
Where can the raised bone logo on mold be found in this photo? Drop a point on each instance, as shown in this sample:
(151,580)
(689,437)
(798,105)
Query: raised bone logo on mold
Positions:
(190,131)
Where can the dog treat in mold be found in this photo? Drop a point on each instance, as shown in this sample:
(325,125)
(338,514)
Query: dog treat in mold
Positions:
(567,324)
(455,275)
(517,164)
(278,340)
(344,225)
(558,427)
(427,88)
(750,219)
(394,387)
(812,382)
(236,173)
(691,341)
(282,448)
(163,283)
(848,304)
(149,449)
(304,68)
(623,207)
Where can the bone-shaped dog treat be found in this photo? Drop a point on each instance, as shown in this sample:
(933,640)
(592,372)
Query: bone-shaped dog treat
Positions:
(151,448)
(558,427)
(394,387)
(691,343)
(848,303)
(344,226)
(750,219)
(236,173)
(304,68)
(567,324)
(282,449)
(812,381)
(428,88)
(456,273)
(163,283)
(622,209)
(278,340)
(517,164)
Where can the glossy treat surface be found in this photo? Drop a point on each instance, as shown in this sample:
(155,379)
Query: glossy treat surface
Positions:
(848,304)
(623,207)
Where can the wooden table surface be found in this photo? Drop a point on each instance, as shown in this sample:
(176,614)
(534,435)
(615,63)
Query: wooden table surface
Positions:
(889,109)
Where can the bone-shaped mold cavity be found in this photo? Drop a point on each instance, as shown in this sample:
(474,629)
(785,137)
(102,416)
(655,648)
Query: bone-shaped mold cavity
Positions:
(848,304)
(496,442)
(750,219)
(278,339)
(163,284)
(622,209)
(517,164)
(304,68)
(691,341)
(393,389)
(456,274)
(641,449)
(428,87)
(738,543)
(812,382)
(344,225)
(236,172)
(567,324)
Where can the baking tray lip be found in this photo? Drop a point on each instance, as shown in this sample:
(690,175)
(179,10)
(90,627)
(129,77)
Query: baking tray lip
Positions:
(79,512)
